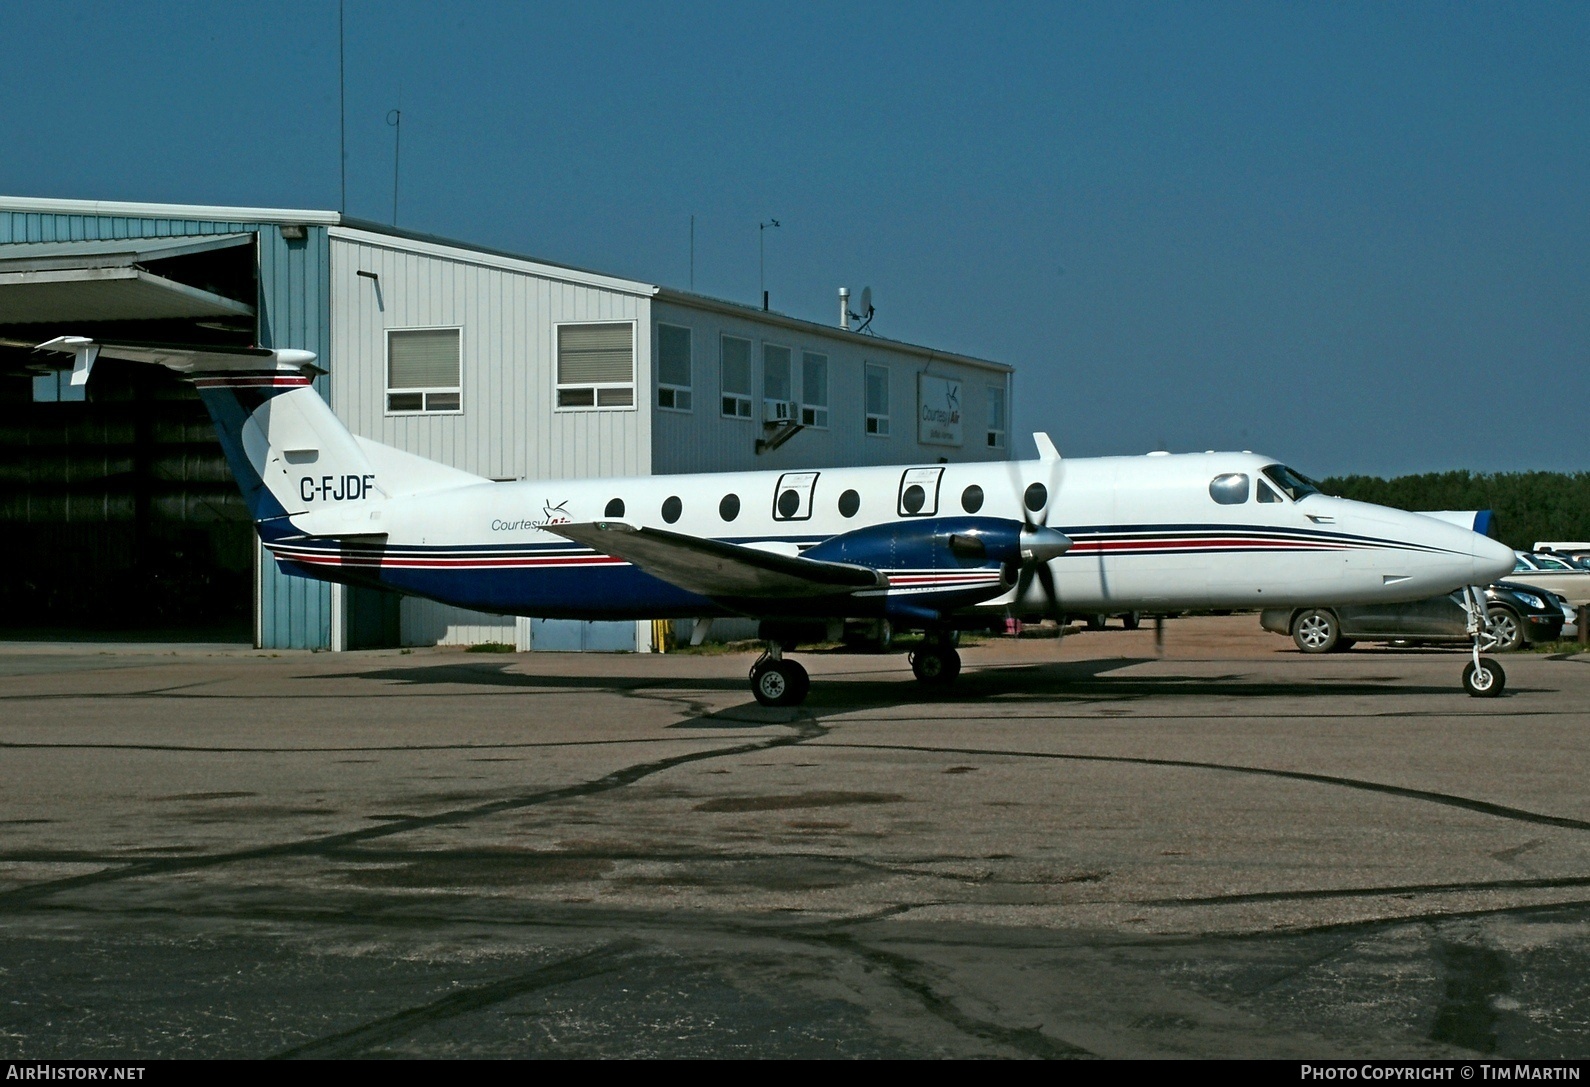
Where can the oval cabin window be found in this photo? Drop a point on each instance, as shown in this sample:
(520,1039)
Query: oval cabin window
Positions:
(1230,489)
(913,499)
(849,504)
(972,499)
(1036,496)
(615,508)
(672,508)
(789,503)
(729,508)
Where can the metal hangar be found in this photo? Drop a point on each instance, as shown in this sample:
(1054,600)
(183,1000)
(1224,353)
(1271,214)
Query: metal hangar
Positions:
(118,509)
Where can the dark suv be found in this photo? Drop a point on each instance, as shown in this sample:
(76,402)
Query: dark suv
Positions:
(1519,614)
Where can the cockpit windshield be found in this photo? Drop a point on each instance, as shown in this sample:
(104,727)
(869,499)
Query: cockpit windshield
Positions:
(1294,485)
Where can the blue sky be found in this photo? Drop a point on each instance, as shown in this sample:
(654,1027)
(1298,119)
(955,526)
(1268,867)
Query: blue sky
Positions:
(1354,236)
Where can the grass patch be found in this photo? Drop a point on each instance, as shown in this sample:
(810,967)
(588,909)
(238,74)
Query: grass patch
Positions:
(1555,648)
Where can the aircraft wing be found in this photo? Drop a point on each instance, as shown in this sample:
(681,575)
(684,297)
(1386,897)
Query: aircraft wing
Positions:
(717,570)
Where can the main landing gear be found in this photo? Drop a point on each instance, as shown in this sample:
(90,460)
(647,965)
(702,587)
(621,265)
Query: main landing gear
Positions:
(935,661)
(1482,677)
(778,681)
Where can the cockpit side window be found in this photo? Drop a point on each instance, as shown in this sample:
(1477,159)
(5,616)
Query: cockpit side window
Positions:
(1230,489)
(1267,493)
(1294,486)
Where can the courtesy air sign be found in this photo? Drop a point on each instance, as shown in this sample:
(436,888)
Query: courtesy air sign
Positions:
(938,410)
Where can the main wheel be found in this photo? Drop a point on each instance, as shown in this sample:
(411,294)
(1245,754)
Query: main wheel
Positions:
(1131,620)
(1508,628)
(1486,681)
(779,683)
(936,665)
(1316,631)
(1096,622)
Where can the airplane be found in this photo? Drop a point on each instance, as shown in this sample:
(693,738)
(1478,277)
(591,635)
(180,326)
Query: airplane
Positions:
(937,548)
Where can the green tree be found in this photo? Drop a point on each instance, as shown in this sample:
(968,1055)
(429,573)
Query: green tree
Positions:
(1528,506)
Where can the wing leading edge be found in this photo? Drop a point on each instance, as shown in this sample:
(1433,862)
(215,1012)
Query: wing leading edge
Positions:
(720,570)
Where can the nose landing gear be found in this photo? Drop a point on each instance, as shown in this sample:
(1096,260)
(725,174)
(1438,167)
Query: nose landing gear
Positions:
(1482,677)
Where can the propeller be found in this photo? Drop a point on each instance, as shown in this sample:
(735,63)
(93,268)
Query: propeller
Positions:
(1039,543)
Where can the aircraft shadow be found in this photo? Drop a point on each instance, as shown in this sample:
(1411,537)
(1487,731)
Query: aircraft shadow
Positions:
(1066,681)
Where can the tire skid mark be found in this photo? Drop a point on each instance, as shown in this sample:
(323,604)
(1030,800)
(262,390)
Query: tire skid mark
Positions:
(910,975)
(1484,807)
(805,729)
(32,745)
(359,1040)
(1547,884)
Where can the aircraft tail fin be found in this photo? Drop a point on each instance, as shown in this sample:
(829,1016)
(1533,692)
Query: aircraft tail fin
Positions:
(289,453)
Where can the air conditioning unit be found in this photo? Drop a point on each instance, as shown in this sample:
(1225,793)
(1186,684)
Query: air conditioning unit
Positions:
(779,411)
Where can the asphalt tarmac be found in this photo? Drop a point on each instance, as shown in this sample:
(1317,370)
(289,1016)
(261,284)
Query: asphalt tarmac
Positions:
(1085,849)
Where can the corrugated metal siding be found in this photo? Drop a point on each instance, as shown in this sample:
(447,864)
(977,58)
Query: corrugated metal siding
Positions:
(16,226)
(703,440)
(425,622)
(509,428)
(294,311)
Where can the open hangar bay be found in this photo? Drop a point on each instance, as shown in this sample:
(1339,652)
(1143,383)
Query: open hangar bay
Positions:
(1085,850)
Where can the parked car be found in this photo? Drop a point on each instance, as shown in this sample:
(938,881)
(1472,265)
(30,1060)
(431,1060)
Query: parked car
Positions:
(1519,614)
(1129,619)
(1578,550)
(1555,572)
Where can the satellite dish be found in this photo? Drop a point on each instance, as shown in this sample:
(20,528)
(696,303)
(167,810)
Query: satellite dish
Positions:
(866,302)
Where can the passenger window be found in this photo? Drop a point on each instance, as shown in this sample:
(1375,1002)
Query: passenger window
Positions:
(972,499)
(849,504)
(671,509)
(1230,489)
(729,508)
(615,508)
(792,496)
(1267,493)
(919,492)
(1035,497)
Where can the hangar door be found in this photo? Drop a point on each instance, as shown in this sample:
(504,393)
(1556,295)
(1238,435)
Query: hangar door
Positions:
(117,510)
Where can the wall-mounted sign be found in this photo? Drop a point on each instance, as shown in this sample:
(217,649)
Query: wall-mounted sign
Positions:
(938,410)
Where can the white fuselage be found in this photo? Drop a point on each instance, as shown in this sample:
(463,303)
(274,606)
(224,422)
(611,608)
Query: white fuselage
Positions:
(1147,535)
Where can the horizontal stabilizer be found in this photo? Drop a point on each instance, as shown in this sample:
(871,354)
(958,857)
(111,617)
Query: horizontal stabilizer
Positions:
(185,359)
(720,570)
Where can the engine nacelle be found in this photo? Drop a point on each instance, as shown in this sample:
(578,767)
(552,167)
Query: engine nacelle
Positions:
(933,543)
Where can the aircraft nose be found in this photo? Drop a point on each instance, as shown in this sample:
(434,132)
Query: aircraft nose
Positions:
(1492,560)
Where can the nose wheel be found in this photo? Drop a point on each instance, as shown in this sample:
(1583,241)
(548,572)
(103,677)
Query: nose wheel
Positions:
(1483,678)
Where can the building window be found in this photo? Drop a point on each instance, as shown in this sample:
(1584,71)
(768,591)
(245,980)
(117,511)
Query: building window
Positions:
(878,401)
(996,417)
(814,390)
(673,367)
(596,366)
(776,393)
(423,371)
(735,374)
